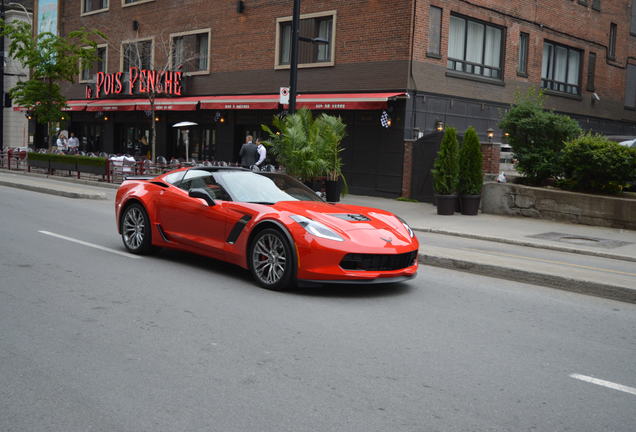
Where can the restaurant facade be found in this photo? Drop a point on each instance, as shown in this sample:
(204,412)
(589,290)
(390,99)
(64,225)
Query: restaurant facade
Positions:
(394,71)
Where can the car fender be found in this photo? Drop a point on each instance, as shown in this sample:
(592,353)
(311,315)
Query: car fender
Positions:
(281,226)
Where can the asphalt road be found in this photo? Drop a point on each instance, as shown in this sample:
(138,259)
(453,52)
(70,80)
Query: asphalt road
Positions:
(96,340)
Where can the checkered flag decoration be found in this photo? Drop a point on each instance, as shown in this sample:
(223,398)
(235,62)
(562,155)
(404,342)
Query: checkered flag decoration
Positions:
(385,120)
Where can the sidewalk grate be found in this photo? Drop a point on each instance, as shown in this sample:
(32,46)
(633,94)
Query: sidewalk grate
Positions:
(580,240)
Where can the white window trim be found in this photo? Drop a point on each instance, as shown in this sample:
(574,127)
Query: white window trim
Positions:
(188,33)
(331,13)
(93,12)
(127,41)
(81,81)
(124,4)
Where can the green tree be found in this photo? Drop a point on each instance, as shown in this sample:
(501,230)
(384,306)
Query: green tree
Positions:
(446,167)
(471,174)
(308,147)
(537,137)
(51,59)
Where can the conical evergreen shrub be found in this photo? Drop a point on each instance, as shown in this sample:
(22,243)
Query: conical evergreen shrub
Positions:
(471,175)
(446,167)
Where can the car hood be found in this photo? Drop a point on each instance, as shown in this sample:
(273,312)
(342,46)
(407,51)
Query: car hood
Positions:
(347,218)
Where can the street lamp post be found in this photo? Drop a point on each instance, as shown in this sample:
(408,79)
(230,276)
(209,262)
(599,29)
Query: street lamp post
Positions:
(2,79)
(293,68)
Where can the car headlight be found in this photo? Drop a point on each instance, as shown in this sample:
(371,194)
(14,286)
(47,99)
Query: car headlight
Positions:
(408,228)
(316,228)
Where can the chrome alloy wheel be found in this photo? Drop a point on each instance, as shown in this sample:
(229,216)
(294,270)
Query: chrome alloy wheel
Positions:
(134,228)
(269,259)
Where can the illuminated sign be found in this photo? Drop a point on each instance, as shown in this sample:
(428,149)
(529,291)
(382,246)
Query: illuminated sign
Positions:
(140,81)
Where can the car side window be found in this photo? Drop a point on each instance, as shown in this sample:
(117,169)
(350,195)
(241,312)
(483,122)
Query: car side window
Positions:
(174,178)
(204,180)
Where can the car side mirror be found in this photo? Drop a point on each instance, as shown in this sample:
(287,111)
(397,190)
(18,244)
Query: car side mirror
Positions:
(203,194)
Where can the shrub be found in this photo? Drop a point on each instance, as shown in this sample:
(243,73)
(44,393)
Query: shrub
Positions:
(537,137)
(446,168)
(69,159)
(592,163)
(471,174)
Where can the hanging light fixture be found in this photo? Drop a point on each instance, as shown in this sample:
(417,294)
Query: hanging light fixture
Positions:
(439,125)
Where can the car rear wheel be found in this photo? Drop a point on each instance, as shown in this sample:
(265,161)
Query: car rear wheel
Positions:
(271,260)
(135,230)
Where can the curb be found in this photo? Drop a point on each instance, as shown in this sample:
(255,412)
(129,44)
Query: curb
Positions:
(50,191)
(71,180)
(611,292)
(528,244)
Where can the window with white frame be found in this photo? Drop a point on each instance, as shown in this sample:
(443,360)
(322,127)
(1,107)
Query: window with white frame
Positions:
(132,2)
(316,43)
(475,47)
(89,71)
(190,51)
(561,68)
(137,53)
(94,5)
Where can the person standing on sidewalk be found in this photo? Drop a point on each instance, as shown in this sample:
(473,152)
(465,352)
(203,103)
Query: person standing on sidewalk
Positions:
(248,154)
(262,153)
(73,144)
(62,143)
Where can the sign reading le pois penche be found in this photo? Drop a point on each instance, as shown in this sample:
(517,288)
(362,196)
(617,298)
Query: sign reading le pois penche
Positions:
(140,81)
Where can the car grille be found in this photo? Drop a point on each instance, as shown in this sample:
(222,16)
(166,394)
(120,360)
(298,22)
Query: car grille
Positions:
(378,262)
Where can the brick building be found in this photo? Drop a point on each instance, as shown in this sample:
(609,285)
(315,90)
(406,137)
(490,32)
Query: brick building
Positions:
(424,62)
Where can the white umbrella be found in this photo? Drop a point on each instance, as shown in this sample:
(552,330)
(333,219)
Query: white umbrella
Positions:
(186,138)
(184,124)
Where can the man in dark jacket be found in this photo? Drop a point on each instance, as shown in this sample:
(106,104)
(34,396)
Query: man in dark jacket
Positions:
(248,153)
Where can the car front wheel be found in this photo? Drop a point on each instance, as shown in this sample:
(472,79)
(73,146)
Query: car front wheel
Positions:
(135,230)
(271,260)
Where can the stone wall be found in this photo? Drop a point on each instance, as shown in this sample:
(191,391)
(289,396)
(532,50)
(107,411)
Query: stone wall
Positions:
(546,203)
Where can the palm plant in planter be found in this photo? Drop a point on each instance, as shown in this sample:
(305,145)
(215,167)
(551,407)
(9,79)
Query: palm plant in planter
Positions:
(294,145)
(471,175)
(445,173)
(309,148)
(332,131)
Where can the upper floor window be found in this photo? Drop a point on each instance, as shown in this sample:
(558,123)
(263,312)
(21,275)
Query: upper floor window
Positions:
(190,51)
(137,53)
(93,5)
(89,72)
(316,40)
(522,67)
(611,49)
(475,47)
(630,86)
(434,31)
(561,68)
(133,2)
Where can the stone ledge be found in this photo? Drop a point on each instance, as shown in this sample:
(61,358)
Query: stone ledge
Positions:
(546,203)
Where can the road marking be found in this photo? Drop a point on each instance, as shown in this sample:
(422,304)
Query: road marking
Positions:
(551,261)
(102,248)
(603,383)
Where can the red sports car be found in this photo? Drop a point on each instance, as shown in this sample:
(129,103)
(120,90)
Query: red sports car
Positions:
(268,223)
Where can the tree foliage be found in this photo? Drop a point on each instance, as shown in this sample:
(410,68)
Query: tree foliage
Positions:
(446,167)
(471,172)
(308,147)
(51,59)
(537,137)
(592,163)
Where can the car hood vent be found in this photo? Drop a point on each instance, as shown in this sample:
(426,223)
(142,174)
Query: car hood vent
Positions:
(351,217)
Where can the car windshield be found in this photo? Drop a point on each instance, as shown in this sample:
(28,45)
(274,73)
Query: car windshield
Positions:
(264,188)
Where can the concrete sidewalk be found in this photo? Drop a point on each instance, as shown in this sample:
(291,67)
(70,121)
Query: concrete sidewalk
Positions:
(592,260)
